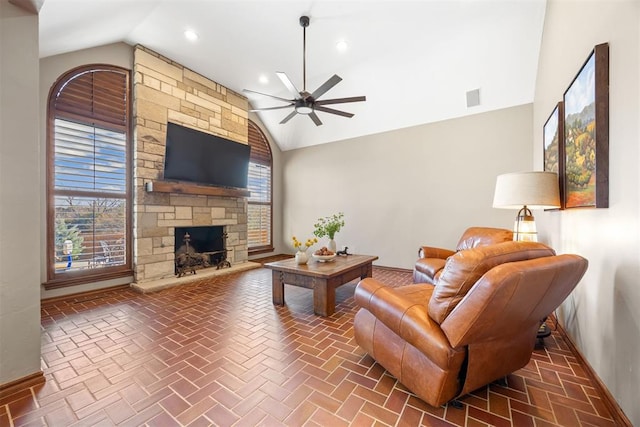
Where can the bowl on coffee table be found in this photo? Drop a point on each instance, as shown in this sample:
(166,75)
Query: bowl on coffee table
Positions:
(323,258)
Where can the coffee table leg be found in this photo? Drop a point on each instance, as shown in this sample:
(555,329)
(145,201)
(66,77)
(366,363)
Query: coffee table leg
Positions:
(277,287)
(368,271)
(324,298)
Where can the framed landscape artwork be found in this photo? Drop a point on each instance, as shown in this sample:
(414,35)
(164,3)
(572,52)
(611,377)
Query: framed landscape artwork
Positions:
(553,141)
(586,134)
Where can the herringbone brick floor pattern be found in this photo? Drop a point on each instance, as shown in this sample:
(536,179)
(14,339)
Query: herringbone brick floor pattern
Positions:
(218,352)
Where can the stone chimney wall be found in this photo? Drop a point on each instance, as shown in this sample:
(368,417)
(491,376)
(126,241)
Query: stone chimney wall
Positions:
(165,91)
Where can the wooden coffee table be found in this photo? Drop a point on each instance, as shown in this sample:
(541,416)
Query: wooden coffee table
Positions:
(322,277)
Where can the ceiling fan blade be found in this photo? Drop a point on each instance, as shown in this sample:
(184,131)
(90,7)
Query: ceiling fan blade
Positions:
(332,111)
(271,108)
(289,117)
(341,100)
(315,118)
(290,86)
(334,80)
(266,94)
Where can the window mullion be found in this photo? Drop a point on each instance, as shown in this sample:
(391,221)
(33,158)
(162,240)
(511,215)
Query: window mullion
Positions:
(95,167)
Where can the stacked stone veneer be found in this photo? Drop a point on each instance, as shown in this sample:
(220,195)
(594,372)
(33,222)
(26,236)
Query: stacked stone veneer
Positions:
(165,91)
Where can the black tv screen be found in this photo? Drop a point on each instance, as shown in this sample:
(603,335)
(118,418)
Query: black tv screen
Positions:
(203,158)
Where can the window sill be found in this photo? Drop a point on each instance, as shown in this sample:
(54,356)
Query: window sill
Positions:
(83,279)
(260,250)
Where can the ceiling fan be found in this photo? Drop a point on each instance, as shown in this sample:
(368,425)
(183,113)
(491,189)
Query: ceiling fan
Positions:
(304,102)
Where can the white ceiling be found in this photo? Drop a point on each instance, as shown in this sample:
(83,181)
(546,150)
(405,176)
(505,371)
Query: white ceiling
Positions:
(414,60)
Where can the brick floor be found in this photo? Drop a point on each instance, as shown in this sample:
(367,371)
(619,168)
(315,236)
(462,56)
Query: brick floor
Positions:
(218,352)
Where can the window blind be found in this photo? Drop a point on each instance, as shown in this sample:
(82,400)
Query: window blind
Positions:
(260,150)
(259,183)
(88,162)
(89,158)
(95,95)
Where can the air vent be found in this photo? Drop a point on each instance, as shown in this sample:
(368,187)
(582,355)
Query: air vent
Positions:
(473,98)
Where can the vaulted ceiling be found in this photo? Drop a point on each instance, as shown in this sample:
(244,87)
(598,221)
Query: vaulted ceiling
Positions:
(413,60)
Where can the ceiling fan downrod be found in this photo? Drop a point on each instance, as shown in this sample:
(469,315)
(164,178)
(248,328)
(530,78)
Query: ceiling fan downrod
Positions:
(304,23)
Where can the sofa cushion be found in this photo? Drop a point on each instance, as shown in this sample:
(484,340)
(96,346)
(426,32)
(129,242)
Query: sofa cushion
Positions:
(404,311)
(482,236)
(465,268)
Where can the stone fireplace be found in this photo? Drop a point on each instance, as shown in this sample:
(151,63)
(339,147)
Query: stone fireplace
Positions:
(166,91)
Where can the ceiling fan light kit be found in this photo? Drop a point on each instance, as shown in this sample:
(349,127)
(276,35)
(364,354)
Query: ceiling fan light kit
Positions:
(304,109)
(303,102)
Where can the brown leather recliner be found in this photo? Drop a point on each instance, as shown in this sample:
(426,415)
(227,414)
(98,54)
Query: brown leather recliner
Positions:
(431,260)
(476,325)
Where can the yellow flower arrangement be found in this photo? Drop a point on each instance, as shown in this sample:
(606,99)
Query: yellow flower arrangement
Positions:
(298,244)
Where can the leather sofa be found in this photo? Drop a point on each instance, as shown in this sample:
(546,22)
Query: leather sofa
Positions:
(431,260)
(477,324)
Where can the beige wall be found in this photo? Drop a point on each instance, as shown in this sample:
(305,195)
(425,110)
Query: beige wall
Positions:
(409,187)
(20,205)
(603,313)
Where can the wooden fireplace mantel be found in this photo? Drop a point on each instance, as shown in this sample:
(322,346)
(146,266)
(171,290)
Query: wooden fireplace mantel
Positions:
(202,190)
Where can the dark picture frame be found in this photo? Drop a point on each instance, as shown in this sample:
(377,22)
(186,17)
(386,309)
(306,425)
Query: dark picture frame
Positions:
(553,146)
(586,133)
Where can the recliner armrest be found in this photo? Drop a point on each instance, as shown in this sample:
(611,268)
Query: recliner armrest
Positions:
(431,252)
(404,311)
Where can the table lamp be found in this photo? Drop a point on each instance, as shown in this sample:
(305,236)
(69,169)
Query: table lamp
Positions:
(526,191)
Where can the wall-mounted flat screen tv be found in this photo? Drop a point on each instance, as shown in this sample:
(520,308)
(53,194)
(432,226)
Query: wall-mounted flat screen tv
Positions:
(202,158)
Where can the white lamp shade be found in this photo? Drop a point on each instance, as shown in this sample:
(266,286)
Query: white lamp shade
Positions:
(536,190)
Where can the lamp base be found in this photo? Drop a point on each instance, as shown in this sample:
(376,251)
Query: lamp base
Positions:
(524,228)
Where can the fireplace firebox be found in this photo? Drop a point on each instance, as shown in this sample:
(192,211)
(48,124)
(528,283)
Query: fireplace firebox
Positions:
(200,247)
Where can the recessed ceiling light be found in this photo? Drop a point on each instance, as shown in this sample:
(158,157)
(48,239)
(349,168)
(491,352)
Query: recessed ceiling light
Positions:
(191,35)
(263,79)
(342,46)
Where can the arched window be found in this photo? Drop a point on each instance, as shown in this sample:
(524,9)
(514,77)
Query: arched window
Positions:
(260,214)
(88,176)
